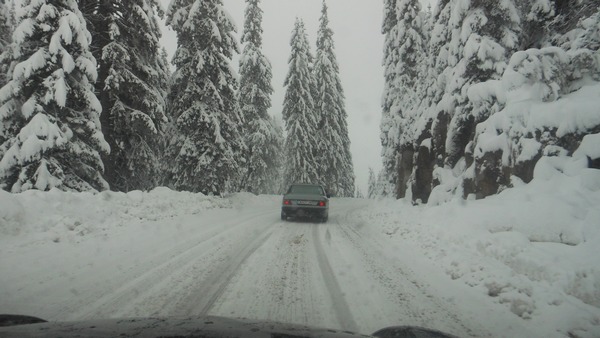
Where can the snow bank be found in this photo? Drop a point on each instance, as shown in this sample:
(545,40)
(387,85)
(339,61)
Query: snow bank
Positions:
(511,128)
(56,215)
(532,249)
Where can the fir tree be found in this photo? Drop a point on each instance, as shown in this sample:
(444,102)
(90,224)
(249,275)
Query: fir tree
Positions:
(133,75)
(335,158)
(389,130)
(584,59)
(6,28)
(484,35)
(6,13)
(590,34)
(49,115)
(566,17)
(203,104)
(404,52)
(358,193)
(262,138)
(536,14)
(372,188)
(278,124)
(438,51)
(301,146)
(411,41)
(7,22)
(171,139)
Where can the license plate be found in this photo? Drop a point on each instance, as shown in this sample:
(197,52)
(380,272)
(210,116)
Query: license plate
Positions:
(307,203)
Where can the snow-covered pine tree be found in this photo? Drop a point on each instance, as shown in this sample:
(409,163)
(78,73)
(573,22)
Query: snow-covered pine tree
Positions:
(567,17)
(389,120)
(6,14)
(484,35)
(438,53)
(536,14)
(439,38)
(428,22)
(372,184)
(584,55)
(335,157)
(204,103)
(382,183)
(429,124)
(438,72)
(404,53)
(49,115)
(414,159)
(279,129)
(590,34)
(358,193)
(133,86)
(6,29)
(301,122)
(261,136)
(169,140)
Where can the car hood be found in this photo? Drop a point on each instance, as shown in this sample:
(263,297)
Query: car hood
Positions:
(210,326)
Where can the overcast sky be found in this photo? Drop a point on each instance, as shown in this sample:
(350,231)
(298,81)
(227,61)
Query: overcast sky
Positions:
(359,49)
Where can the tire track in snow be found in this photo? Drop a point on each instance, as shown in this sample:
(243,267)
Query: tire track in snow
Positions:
(342,310)
(73,296)
(401,282)
(282,282)
(215,285)
(149,284)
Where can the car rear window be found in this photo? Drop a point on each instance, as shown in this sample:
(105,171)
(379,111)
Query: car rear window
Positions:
(306,189)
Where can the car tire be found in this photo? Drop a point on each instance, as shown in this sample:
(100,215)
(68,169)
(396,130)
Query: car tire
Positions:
(283,217)
(324,219)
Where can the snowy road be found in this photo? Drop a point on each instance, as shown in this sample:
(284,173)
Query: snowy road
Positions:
(72,257)
(329,275)
(246,263)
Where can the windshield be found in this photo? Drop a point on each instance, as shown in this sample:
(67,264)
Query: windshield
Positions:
(445,153)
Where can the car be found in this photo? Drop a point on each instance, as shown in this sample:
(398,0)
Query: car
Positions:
(305,201)
(202,326)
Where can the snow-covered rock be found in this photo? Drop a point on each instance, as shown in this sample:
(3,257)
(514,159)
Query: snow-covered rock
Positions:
(541,118)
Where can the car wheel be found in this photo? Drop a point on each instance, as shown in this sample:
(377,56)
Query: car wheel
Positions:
(283,217)
(324,219)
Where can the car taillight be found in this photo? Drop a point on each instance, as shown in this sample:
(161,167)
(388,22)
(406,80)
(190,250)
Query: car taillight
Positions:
(322,204)
(287,202)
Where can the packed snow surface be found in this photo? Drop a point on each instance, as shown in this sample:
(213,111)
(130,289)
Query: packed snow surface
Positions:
(520,264)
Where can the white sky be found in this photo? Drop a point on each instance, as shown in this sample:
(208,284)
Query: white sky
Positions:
(359,49)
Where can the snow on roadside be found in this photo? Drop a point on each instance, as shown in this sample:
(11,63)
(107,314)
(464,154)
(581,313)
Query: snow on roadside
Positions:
(57,215)
(64,256)
(532,249)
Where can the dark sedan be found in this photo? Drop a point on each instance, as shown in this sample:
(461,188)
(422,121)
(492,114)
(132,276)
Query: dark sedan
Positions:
(306,201)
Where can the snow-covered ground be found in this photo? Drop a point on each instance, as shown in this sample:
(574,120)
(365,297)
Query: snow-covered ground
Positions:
(520,264)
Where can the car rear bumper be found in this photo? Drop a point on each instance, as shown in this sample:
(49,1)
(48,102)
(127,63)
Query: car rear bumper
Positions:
(304,211)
